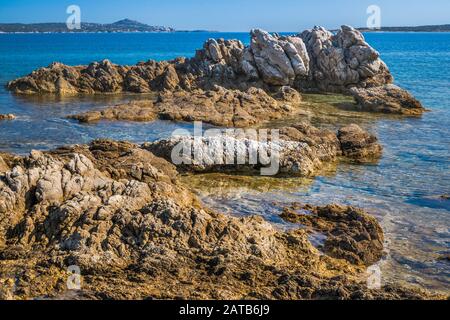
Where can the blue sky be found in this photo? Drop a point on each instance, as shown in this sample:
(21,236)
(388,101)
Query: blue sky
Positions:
(232,15)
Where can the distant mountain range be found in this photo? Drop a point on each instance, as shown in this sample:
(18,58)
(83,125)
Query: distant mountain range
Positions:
(125,25)
(431,28)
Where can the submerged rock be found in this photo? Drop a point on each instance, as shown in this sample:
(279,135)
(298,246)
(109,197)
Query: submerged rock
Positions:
(119,214)
(387,99)
(7,117)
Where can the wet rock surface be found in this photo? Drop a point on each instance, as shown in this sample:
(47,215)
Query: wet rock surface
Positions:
(119,214)
(220,107)
(227,108)
(315,60)
(351,234)
(358,144)
(387,99)
(7,117)
(139,111)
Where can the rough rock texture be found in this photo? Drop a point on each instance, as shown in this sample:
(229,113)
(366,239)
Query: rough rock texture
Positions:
(315,60)
(119,214)
(228,108)
(387,99)
(133,111)
(342,61)
(7,117)
(220,107)
(278,61)
(358,144)
(301,150)
(351,234)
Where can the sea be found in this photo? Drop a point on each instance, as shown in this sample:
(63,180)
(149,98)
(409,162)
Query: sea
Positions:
(404,190)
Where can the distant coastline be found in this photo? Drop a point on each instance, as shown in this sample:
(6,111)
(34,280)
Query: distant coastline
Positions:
(430,28)
(122,26)
(131,26)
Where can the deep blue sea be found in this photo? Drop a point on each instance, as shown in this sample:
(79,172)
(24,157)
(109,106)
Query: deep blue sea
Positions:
(402,190)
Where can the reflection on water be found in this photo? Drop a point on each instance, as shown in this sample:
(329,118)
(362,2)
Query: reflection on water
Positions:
(42,124)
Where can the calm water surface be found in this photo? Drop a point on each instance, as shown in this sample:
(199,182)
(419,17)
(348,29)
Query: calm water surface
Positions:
(402,190)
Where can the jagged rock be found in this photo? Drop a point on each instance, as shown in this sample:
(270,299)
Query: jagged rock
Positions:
(387,99)
(351,233)
(278,62)
(302,150)
(7,117)
(119,214)
(342,61)
(315,60)
(221,154)
(358,144)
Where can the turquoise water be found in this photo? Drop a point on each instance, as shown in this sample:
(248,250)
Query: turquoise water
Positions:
(402,190)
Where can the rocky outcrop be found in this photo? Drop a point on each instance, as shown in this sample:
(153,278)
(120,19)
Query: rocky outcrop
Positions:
(279,61)
(301,150)
(387,99)
(118,213)
(7,117)
(315,60)
(351,234)
(341,61)
(220,107)
(358,144)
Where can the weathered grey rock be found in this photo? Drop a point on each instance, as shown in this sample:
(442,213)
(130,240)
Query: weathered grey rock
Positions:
(302,150)
(277,60)
(342,61)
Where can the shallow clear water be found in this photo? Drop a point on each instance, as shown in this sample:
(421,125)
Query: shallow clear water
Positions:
(402,190)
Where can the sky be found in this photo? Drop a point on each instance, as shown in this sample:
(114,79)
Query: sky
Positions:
(232,15)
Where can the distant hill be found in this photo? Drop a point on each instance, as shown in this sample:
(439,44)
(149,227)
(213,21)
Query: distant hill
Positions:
(431,28)
(125,25)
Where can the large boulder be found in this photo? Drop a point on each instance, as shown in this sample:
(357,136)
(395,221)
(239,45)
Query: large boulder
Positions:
(387,99)
(342,60)
(278,60)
